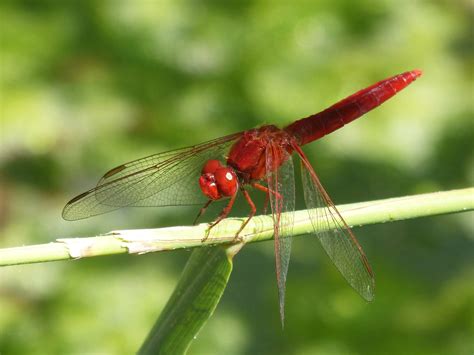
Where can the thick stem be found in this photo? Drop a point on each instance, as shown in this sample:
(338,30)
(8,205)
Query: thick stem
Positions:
(260,228)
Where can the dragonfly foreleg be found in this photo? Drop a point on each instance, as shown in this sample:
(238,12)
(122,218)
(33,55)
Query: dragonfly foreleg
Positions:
(202,211)
(225,212)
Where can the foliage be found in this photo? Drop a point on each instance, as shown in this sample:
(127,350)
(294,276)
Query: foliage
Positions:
(87,85)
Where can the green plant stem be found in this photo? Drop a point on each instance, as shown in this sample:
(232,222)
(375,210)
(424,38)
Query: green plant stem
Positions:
(260,228)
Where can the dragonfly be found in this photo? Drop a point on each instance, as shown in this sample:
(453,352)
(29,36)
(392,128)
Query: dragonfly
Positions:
(256,159)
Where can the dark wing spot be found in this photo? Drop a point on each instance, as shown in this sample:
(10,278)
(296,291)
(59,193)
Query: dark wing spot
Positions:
(114,171)
(78,197)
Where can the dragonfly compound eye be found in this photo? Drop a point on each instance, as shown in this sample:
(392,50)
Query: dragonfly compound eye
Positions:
(222,183)
(226,181)
(208,185)
(211,166)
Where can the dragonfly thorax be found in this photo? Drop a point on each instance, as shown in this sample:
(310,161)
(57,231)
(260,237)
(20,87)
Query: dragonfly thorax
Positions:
(218,181)
(248,156)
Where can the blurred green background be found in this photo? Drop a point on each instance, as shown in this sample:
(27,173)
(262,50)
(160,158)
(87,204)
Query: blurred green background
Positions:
(86,86)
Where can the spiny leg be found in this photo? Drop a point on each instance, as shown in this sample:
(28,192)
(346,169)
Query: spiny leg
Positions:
(266,190)
(201,211)
(265,203)
(267,194)
(225,212)
(253,210)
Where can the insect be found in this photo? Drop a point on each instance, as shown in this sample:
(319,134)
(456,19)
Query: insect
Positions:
(260,158)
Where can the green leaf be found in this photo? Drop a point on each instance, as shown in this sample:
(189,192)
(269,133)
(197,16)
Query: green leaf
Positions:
(194,300)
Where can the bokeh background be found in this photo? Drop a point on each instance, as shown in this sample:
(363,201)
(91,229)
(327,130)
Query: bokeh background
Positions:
(86,86)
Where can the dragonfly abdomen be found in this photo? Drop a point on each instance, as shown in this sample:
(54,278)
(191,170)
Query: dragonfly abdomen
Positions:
(347,110)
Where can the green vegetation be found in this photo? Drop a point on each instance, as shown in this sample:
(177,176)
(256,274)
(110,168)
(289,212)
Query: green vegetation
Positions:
(85,86)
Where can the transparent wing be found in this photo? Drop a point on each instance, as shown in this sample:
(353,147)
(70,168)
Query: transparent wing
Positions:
(281,183)
(165,179)
(335,235)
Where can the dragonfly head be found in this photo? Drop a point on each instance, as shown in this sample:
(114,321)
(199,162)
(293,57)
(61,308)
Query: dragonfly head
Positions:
(218,181)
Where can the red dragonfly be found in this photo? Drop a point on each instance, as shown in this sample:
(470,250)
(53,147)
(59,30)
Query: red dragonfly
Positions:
(258,158)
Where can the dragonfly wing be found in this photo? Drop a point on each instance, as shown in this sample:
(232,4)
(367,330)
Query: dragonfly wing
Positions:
(281,183)
(335,235)
(165,179)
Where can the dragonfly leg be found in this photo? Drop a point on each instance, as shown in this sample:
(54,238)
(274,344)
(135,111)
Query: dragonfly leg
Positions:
(266,190)
(253,210)
(265,203)
(201,211)
(267,194)
(225,212)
